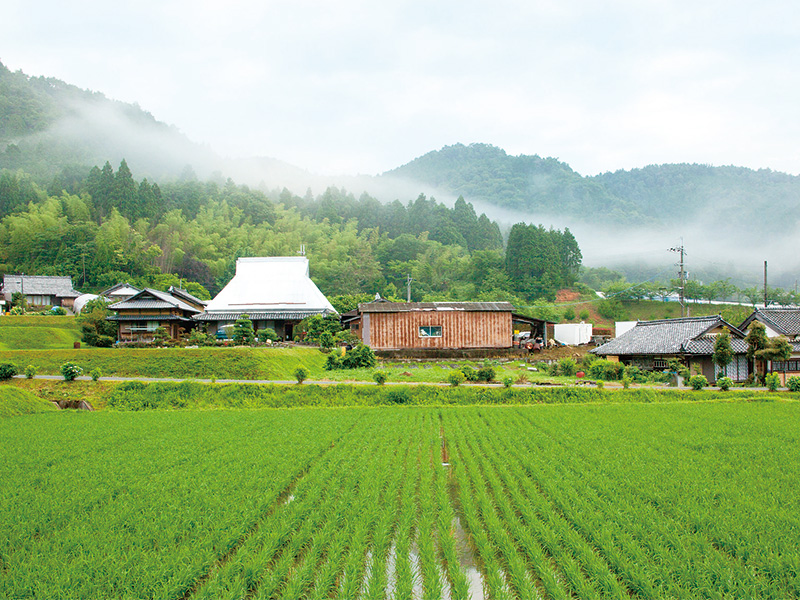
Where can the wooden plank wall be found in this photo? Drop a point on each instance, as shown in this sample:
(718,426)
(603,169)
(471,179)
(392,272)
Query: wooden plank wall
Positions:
(460,329)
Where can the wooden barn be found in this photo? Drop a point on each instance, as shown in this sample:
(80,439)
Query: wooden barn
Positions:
(433,325)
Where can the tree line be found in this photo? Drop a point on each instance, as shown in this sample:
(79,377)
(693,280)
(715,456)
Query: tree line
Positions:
(102,226)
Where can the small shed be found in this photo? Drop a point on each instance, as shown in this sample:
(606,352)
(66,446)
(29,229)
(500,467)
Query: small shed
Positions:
(41,290)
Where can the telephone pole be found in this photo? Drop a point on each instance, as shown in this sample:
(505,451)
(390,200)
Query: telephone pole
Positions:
(682,274)
(408,286)
(765,284)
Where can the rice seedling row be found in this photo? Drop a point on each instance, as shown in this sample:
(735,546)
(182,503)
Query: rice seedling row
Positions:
(556,502)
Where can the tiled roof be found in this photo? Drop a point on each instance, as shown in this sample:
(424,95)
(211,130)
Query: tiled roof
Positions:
(183,294)
(671,336)
(391,307)
(260,315)
(149,299)
(40,285)
(783,320)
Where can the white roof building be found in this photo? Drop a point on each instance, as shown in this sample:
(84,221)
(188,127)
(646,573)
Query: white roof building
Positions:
(272,291)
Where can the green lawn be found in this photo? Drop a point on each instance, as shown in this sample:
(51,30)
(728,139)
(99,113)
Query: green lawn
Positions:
(38,332)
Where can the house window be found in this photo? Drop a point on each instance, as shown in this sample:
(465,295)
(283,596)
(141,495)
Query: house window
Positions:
(426,331)
(786,365)
(150,327)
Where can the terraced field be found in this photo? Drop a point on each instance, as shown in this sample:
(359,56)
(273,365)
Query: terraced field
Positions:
(613,501)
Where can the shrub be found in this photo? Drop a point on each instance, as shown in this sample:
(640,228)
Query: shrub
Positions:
(470,374)
(398,397)
(793,383)
(567,367)
(724,383)
(626,382)
(772,381)
(584,315)
(606,369)
(17,310)
(361,356)
(333,361)
(95,374)
(569,314)
(70,371)
(30,371)
(7,371)
(243,331)
(160,336)
(267,334)
(698,382)
(600,385)
(104,341)
(301,374)
(634,373)
(380,377)
(485,373)
(326,340)
(59,311)
(455,378)
(508,381)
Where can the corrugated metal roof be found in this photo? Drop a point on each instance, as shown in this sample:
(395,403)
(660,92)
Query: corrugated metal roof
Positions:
(40,285)
(260,315)
(671,336)
(392,307)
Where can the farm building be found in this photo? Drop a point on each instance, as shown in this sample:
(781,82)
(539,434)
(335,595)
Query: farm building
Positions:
(140,315)
(275,292)
(437,325)
(780,322)
(41,290)
(651,344)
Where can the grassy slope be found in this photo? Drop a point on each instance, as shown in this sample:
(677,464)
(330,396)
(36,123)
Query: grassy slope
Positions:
(15,401)
(181,363)
(38,332)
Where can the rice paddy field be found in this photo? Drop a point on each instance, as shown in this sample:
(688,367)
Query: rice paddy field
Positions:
(673,500)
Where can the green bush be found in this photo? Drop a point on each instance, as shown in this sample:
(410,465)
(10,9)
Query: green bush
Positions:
(267,334)
(508,382)
(626,382)
(326,340)
(104,341)
(455,378)
(793,383)
(243,331)
(333,361)
(606,369)
(725,383)
(301,374)
(70,371)
(486,373)
(30,371)
(95,374)
(698,382)
(567,367)
(772,381)
(400,396)
(360,357)
(470,374)
(7,371)
(59,311)
(380,377)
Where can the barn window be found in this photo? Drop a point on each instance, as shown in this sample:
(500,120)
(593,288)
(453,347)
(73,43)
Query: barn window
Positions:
(430,331)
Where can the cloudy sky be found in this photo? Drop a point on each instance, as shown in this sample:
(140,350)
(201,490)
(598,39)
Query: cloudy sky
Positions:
(358,86)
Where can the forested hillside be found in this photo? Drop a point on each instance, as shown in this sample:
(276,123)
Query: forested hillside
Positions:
(657,194)
(105,227)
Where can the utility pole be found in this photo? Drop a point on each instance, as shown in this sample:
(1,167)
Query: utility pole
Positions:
(682,274)
(408,288)
(765,284)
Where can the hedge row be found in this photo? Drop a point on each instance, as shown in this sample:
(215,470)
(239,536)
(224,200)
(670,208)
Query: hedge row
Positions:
(135,395)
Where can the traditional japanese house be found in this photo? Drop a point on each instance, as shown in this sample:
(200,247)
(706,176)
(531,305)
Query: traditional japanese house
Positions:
(140,315)
(651,344)
(41,290)
(780,322)
(275,292)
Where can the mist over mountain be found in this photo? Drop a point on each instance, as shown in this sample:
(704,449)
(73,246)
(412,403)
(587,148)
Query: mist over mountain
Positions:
(730,218)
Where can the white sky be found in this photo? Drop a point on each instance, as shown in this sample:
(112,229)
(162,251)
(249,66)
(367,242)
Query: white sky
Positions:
(358,86)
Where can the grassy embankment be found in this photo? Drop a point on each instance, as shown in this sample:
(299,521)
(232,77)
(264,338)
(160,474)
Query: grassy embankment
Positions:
(15,401)
(192,395)
(38,332)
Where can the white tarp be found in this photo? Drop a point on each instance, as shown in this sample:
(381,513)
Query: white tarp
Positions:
(573,334)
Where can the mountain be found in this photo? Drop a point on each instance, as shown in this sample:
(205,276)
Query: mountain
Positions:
(47,124)
(729,197)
